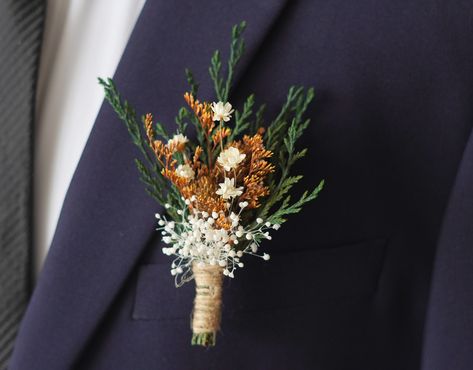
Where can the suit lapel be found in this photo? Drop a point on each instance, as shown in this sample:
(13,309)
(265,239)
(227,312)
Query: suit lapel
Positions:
(107,218)
(449,327)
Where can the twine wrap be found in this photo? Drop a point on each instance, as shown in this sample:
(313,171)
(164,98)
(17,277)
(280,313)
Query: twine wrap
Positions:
(207,304)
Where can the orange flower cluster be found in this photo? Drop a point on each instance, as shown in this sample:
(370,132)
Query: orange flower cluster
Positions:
(220,134)
(255,169)
(203,112)
(164,153)
(202,186)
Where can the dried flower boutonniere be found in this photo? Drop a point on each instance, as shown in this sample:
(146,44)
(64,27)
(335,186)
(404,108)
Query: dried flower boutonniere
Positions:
(224,192)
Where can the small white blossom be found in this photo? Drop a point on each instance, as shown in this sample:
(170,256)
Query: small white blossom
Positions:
(243,205)
(228,190)
(178,141)
(222,112)
(198,239)
(185,171)
(230,158)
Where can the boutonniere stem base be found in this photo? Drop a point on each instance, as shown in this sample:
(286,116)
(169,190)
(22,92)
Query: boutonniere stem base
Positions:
(206,315)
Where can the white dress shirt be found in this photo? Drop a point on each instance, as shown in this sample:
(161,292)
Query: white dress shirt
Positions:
(83,39)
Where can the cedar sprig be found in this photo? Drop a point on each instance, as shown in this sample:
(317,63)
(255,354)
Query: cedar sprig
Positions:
(156,185)
(237,48)
(242,120)
(191,81)
(280,134)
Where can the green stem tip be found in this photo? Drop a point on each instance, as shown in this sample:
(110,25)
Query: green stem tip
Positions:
(204,339)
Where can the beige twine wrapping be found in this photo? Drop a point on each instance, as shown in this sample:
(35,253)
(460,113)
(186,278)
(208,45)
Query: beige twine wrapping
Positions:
(208,299)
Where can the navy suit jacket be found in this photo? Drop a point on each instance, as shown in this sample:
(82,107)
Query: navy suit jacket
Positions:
(349,282)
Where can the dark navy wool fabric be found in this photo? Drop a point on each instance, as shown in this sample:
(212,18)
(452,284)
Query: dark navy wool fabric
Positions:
(349,280)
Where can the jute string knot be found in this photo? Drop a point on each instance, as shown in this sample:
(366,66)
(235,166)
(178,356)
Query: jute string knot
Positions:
(208,299)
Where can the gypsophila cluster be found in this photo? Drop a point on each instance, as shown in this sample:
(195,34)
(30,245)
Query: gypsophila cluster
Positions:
(197,239)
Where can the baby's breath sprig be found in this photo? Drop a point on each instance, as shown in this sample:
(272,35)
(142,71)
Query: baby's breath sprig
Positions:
(224,192)
(196,238)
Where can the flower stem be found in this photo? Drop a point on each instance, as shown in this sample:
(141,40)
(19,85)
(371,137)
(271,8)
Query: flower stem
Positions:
(204,339)
(207,304)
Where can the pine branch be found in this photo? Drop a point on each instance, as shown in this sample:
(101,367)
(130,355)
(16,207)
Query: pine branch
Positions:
(286,185)
(153,185)
(150,174)
(242,119)
(180,119)
(277,129)
(214,71)
(259,120)
(191,81)
(160,131)
(125,112)
(286,208)
(282,137)
(237,48)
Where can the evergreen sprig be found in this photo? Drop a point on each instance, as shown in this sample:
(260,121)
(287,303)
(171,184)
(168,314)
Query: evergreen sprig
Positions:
(150,171)
(223,85)
(242,120)
(279,216)
(281,137)
(192,83)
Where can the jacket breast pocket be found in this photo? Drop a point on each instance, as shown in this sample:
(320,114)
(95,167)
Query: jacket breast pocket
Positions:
(289,279)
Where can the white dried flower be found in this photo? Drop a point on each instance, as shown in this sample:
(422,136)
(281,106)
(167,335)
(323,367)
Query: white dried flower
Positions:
(228,190)
(178,140)
(222,112)
(197,239)
(243,205)
(185,171)
(230,158)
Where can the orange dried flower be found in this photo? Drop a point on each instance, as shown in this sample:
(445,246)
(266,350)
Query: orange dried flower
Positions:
(202,111)
(220,134)
(255,169)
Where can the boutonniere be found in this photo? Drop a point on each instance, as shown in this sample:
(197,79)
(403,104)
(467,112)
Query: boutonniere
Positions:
(224,192)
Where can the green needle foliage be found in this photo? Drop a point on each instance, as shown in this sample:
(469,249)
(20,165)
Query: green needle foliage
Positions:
(156,184)
(242,120)
(281,137)
(237,48)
